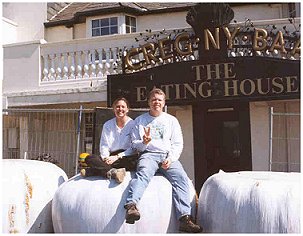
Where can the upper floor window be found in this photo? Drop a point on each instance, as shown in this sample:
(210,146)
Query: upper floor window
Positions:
(131,24)
(105,26)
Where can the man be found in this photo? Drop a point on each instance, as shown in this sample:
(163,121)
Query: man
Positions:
(158,137)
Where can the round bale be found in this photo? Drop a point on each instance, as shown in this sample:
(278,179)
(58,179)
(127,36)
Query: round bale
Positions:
(27,190)
(96,205)
(250,202)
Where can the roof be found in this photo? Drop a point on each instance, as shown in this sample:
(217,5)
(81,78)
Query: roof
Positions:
(54,7)
(76,12)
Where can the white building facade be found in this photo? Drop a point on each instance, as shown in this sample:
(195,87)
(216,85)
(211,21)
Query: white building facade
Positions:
(64,61)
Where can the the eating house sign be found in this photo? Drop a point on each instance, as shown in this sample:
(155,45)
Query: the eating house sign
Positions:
(232,79)
(215,75)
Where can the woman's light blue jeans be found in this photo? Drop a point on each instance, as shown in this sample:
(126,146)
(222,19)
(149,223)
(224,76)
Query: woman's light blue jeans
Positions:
(148,164)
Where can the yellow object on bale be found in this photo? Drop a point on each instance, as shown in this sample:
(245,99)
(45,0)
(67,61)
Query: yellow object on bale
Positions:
(82,158)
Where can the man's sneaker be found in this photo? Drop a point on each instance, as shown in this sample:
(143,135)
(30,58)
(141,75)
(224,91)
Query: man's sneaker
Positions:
(132,213)
(187,225)
(83,172)
(86,172)
(117,174)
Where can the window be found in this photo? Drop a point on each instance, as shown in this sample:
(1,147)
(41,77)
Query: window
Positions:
(105,26)
(130,23)
(118,23)
(231,139)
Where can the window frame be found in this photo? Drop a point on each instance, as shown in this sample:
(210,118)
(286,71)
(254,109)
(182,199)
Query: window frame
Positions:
(131,27)
(121,24)
(107,27)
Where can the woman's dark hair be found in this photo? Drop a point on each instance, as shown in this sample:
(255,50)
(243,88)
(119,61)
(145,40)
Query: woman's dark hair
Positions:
(120,99)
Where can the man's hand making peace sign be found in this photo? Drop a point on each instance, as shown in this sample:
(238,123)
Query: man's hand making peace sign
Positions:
(146,136)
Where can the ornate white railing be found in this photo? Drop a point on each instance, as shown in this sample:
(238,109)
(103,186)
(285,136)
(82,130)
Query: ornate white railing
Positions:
(80,60)
(92,58)
(81,64)
(95,58)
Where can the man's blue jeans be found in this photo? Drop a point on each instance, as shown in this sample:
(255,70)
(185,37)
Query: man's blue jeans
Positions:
(148,165)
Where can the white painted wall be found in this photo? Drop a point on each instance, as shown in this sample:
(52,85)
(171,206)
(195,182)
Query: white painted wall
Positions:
(21,58)
(258,12)
(165,21)
(28,17)
(161,21)
(58,34)
(259,125)
(184,116)
(9,31)
(21,85)
(80,31)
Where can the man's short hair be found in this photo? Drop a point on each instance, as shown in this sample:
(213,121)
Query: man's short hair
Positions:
(156,91)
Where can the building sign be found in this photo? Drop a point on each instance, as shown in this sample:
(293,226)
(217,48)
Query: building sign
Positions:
(230,79)
(216,75)
(184,43)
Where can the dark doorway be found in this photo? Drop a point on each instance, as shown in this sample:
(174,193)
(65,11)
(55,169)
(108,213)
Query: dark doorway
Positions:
(221,139)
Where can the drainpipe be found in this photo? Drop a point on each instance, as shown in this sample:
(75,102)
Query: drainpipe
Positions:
(78,139)
(287,135)
(271,111)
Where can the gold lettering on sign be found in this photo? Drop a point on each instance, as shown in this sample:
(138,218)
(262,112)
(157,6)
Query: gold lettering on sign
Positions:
(290,84)
(297,48)
(228,71)
(202,92)
(198,71)
(259,86)
(178,91)
(193,91)
(259,42)
(128,61)
(277,82)
(141,91)
(182,45)
(183,37)
(250,85)
(278,43)
(165,48)
(225,75)
(215,71)
(231,87)
(166,89)
(230,37)
(214,41)
(148,50)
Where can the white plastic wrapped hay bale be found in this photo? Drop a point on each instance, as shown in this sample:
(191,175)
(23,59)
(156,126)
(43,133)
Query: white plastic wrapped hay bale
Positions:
(96,205)
(250,202)
(27,190)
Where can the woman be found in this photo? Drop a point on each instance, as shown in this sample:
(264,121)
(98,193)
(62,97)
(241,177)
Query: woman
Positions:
(116,153)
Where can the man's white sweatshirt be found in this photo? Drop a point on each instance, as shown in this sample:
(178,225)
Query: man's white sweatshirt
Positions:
(165,131)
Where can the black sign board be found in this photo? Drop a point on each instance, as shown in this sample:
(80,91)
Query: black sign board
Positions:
(241,78)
